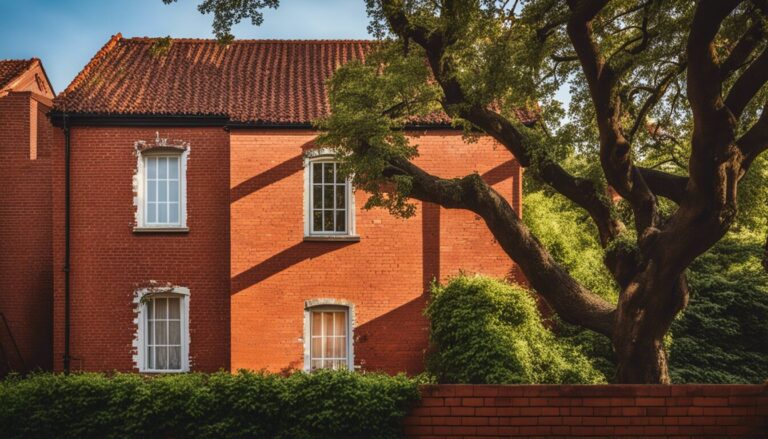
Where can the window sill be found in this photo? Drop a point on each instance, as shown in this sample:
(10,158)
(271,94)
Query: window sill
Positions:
(161,230)
(332,238)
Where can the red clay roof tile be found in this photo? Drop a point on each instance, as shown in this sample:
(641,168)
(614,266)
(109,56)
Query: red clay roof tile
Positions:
(260,81)
(11,69)
(278,82)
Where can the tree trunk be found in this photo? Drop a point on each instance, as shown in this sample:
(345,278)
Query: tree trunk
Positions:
(647,307)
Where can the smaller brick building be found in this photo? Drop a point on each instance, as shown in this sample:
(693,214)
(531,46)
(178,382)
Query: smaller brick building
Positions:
(207,231)
(26,276)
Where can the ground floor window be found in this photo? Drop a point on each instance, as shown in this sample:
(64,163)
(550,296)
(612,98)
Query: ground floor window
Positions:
(164,333)
(329,344)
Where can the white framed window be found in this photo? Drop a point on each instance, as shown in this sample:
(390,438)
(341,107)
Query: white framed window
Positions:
(162,190)
(329,199)
(163,332)
(328,338)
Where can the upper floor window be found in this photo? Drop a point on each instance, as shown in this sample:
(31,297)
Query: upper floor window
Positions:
(162,192)
(163,333)
(330,209)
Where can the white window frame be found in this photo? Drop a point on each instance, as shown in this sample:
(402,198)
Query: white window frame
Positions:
(309,161)
(141,190)
(142,321)
(327,305)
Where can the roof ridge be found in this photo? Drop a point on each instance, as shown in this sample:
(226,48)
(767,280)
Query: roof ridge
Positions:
(254,40)
(113,40)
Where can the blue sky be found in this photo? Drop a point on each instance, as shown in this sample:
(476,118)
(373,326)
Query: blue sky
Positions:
(65,34)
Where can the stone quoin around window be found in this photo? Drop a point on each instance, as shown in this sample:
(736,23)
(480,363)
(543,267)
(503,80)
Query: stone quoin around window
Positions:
(329,202)
(160,186)
(162,329)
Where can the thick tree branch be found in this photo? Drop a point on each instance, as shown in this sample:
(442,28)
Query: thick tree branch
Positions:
(615,151)
(748,84)
(755,140)
(742,50)
(655,94)
(669,186)
(581,191)
(572,302)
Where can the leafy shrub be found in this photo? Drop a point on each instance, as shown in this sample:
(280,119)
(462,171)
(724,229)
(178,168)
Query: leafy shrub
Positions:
(483,330)
(570,236)
(242,405)
(722,337)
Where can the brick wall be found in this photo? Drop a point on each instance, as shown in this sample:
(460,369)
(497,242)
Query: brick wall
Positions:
(385,275)
(679,411)
(109,260)
(26,137)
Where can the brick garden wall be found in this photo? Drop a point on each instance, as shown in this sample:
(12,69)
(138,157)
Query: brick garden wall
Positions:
(679,411)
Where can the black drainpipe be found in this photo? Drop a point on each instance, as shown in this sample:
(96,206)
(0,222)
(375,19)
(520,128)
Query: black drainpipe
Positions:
(67,357)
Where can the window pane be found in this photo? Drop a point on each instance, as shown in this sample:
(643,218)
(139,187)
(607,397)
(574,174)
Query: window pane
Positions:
(174,308)
(151,212)
(317,196)
(316,351)
(150,308)
(173,167)
(151,167)
(151,332)
(162,213)
(328,221)
(162,332)
(150,357)
(339,323)
(151,190)
(161,305)
(162,357)
(317,172)
(173,213)
(341,192)
(174,362)
(174,332)
(162,191)
(317,221)
(328,323)
(162,167)
(328,169)
(328,197)
(173,191)
(316,364)
(341,219)
(328,351)
(317,323)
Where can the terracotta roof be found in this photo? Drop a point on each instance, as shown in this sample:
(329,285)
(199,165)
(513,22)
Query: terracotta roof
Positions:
(260,81)
(280,82)
(11,69)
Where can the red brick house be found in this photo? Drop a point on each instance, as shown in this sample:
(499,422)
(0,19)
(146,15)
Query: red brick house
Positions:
(206,231)
(26,269)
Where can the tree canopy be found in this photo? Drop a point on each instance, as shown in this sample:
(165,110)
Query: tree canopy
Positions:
(667,109)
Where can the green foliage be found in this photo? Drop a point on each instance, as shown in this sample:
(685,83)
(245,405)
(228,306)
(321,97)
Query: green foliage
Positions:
(722,337)
(227,13)
(242,405)
(484,330)
(569,235)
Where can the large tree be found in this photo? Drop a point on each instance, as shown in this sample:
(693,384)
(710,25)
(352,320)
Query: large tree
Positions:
(641,74)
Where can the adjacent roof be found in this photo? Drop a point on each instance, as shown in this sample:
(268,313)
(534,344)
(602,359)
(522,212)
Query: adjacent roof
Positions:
(249,81)
(11,69)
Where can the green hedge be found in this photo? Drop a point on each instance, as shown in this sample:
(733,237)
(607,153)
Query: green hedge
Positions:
(485,331)
(219,405)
